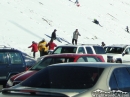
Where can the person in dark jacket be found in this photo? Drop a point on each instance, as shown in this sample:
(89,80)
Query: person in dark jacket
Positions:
(34,47)
(103,44)
(53,35)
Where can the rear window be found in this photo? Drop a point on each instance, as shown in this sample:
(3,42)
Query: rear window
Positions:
(116,50)
(65,77)
(99,50)
(59,50)
(51,60)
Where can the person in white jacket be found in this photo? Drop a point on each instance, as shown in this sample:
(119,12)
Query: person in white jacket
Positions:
(75,36)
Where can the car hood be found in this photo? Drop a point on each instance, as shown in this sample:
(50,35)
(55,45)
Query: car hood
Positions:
(24,75)
(67,92)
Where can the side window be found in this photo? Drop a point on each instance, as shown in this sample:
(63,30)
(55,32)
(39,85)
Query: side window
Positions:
(99,50)
(57,50)
(15,58)
(92,59)
(89,50)
(127,51)
(113,83)
(81,59)
(122,77)
(44,63)
(81,50)
(3,58)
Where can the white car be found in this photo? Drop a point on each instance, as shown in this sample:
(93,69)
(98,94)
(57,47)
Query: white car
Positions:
(82,49)
(118,53)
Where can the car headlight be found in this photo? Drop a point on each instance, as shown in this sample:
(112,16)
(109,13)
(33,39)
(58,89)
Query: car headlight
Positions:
(10,82)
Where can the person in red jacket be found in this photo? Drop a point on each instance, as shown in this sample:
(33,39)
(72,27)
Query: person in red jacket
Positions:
(51,46)
(34,47)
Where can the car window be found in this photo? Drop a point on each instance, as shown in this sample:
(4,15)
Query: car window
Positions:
(3,58)
(87,59)
(116,50)
(59,50)
(42,64)
(122,77)
(113,83)
(127,51)
(81,50)
(15,58)
(51,60)
(89,50)
(69,77)
(81,59)
(99,50)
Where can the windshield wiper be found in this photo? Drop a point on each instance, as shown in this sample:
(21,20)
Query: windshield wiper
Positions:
(33,92)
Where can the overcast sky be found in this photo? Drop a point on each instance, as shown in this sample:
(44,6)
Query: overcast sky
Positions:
(24,21)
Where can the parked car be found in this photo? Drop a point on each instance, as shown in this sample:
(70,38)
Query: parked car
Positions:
(118,53)
(82,49)
(12,62)
(77,79)
(53,59)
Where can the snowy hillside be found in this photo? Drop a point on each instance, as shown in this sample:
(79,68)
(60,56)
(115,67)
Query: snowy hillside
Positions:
(24,21)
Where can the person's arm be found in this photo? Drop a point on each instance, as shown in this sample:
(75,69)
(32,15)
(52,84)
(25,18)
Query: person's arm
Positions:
(79,34)
(30,46)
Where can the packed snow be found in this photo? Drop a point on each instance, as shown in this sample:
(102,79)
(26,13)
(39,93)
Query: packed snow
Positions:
(24,21)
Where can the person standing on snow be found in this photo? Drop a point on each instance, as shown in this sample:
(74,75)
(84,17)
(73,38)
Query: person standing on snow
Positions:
(75,36)
(34,47)
(42,47)
(103,44)
(51,46)
(53,35)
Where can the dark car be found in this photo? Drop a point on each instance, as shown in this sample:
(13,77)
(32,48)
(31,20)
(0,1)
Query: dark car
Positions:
(53,59)
(12,62)
(77,79)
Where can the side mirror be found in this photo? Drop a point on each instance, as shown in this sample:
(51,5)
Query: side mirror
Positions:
(123,54)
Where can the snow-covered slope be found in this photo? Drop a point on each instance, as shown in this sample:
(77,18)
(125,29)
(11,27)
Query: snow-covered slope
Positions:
(24,21)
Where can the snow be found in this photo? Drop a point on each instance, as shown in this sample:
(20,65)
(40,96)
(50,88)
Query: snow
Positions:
(24,21)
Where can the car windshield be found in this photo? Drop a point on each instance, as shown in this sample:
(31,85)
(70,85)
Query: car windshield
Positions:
(51,60)
(64,77)
(115,50)
(59,50)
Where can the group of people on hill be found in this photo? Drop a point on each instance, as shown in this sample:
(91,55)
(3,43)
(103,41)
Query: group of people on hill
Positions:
(45,48)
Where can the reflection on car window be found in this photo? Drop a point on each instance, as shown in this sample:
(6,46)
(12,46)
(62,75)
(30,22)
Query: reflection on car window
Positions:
(51,60)
(122,77)
(3,58)
(69,77)
(15,58)
(116,50)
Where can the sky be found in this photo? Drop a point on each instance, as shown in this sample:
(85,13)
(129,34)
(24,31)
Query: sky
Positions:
(24,21)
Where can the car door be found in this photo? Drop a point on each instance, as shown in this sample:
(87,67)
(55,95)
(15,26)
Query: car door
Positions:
(17,63)
(4,65)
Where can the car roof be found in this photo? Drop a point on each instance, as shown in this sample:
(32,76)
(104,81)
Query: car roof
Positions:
(71,45)
(117,45)
(70,55)
(92,64)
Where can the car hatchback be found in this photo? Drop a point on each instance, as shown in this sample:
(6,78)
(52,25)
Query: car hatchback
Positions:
(53,59)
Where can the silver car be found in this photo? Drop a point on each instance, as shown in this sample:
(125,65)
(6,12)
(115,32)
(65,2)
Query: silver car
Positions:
(75,80)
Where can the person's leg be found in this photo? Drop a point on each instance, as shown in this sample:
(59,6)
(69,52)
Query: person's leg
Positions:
(33,54)
(40,53)
(76,41)
(73,41)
